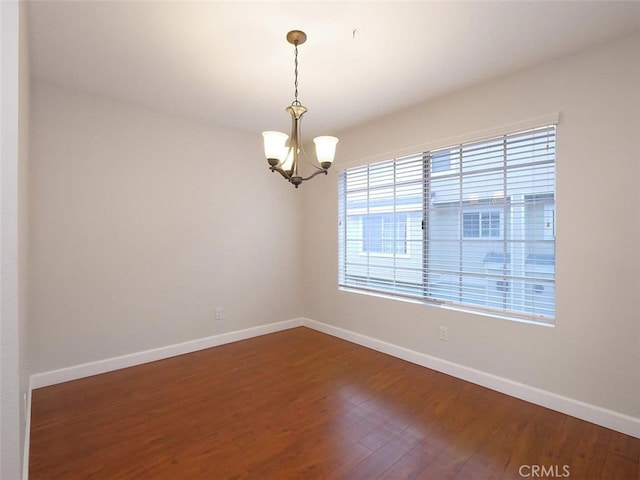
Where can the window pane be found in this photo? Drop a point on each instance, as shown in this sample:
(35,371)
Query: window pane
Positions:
(440,161)
(471,225)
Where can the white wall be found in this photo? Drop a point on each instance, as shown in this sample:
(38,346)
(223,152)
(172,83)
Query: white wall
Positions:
(593,352)
(142,224)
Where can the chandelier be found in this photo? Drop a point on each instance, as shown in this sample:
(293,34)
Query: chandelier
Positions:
(282,151)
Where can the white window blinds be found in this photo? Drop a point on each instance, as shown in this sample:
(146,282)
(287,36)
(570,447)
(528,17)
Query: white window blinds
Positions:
(472,225)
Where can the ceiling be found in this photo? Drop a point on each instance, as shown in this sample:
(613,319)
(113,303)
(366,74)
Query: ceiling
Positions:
(229,62)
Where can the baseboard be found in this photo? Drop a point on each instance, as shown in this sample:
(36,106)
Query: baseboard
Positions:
(76,372)
(575,408)
(591,413)
(27,435)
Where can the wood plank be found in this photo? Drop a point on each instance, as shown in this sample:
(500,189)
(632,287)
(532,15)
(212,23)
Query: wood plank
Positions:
(303,405)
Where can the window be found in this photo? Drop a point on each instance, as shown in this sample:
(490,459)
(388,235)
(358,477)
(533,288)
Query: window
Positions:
(481,224)
(471,226)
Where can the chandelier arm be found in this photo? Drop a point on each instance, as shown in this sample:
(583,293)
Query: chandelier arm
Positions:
(296,112)
(294,145)
(303,150)
(281,172)
(317,172)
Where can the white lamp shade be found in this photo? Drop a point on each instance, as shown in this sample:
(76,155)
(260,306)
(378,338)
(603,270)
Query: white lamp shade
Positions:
(325,150)
(274,145)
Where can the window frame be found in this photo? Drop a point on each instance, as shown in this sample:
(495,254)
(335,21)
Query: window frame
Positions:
(393,287)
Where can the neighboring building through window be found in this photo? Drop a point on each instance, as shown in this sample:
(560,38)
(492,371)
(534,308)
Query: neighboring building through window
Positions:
(471,225)
(384,233)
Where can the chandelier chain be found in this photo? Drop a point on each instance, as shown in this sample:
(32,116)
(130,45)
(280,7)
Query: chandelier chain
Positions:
(295,83)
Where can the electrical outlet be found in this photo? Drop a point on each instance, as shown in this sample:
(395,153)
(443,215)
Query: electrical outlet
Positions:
(219,313)
(444,334)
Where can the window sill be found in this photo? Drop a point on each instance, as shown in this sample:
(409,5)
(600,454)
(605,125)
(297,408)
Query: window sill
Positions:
(450,306)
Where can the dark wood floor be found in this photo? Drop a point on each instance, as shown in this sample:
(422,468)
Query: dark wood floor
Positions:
(302,405)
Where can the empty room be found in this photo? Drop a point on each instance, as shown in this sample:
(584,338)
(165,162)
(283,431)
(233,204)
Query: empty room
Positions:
(433,273)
